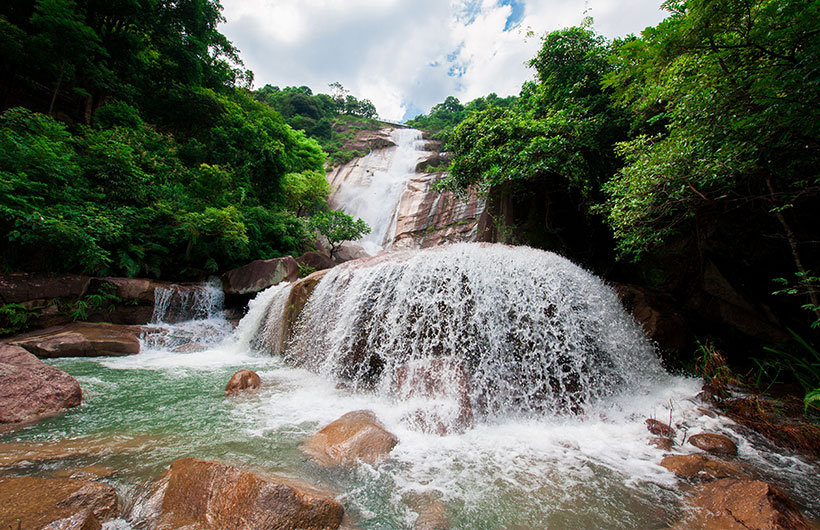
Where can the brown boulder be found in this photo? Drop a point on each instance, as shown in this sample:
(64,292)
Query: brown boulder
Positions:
(357,435)
(81,339)
(659,428)
(259,275)
(17,288)
(701,467)
(297,298)
(730,504)
(204,494)
(316,260)
(716,444)
(55,503)
(242,380)
(661,442)
(30,389)
(441,380)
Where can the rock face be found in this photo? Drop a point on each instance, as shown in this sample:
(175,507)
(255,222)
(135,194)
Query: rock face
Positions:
(201,494)
(716,444)
(55,503)
(426,218)
(30,389)
(446,383)
(730,504)
(367,140)
(81,339)
(259,275)
(701,467)
(242,380)
(356,436)
(657,313)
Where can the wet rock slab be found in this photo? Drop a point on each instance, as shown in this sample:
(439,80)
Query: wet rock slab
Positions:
(201,494)
(701,467)
(731,504)
(81,339)
(31,389)
(55,503)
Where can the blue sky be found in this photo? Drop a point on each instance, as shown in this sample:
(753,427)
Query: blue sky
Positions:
(407,55)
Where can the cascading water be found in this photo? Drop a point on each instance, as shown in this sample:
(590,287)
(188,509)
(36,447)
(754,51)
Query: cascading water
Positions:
(375,196)
(177,303)
(534,332)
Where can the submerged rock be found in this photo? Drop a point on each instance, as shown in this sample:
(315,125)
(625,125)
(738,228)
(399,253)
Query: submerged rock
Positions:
(356,436)
(55,503)
(701,467)
(446,383)
(31,389)
(81,339)
(716,444)
(203,494)
(242,380)
(259,275)
(432,514)
(662,442)
(730,504)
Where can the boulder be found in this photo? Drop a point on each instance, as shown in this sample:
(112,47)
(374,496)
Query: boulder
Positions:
(316,260)
(716,444)
(731,504)
(356,436)
(659,428)
(259,275)
(349,251)
(81,339)
(657,313)
(297,298)
(30,389)
(22,287)
(446,384)
(204,494)
(55,503)
(242,380)
(701,467)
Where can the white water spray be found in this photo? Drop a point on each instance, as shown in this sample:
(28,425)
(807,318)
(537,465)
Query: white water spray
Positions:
(535,332)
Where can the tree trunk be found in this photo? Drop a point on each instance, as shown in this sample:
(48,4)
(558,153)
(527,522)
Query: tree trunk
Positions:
(793,245)
(56,89)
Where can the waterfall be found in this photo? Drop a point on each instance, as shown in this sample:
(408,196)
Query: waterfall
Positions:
(177,303)
(262,326)
(529,330)
(373,194)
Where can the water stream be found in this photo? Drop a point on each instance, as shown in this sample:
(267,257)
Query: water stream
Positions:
(529,460)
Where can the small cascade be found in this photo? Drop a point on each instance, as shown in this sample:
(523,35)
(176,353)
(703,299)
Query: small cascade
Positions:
(532,331)
(187,318)
(179,303)
(382,178)
(262,326)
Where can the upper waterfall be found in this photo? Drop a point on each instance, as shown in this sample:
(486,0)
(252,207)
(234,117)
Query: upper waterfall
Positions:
(373,191)
(532,331)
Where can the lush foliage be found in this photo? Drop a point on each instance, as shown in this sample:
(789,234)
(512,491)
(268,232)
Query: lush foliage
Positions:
(128,146)
(446,115)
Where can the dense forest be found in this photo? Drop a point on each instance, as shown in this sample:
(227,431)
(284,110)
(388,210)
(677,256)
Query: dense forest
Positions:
(131,143)
(687,154)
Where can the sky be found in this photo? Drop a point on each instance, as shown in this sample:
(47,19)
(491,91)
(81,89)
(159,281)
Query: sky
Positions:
(407,55)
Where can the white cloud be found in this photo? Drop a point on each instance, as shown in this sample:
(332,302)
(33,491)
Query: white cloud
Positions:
(411,54)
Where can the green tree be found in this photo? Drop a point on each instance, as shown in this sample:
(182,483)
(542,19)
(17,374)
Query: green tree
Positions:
(338,227)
